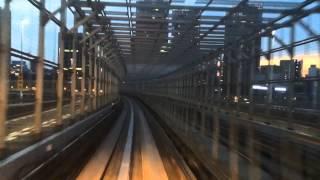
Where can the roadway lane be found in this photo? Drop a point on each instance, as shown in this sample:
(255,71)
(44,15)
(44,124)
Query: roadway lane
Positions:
(23,126)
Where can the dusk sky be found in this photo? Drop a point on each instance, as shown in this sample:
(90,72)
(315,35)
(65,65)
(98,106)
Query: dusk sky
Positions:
(25,29)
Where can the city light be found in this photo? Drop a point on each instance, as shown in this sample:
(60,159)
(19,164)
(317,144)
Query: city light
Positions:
(280,89)
(259,87)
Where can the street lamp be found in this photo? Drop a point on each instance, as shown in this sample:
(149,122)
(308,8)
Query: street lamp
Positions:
(23,23)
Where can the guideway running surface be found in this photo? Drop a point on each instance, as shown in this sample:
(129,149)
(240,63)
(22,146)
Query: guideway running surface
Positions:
(130,151)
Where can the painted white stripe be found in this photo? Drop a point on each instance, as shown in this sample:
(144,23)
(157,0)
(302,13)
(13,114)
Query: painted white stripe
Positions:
(126,159)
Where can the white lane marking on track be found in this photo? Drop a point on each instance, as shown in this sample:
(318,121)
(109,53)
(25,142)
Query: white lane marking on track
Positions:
(125,164)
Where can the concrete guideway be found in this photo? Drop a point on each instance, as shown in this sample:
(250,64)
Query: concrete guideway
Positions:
(131,151)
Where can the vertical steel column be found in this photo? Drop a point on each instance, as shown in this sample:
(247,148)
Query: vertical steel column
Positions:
(239,83)
(216,134)
(107,85)
(252,77)
(98,77)
(270,77)
(5,31)
(254,155)
(83,70)
(186,124)
(40,72)
(104,83)
(95,80)
(203,122)
(74,71)
(228,83)
(292,77)
(216,119)
(111,86)
(90,78)
(254,166)
(233,148)
(212,85)
(233,131)
(60,87)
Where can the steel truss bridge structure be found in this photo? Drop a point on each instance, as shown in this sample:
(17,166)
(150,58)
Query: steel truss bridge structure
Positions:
(236,83)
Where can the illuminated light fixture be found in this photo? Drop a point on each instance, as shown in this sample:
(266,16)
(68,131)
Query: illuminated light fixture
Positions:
(65,69)
(218,74)
(218,64)
(156,9)
(236,99)
(258,87)
(78,68)
(153,17)
(163,51)
(280,89)
(33,88)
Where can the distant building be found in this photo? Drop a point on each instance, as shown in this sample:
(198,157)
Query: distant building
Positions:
(68,49)
(20,74)
(190,34)
(241,24)
(313,71)
(181,15)
(264,71)
(68,53)
(147,17)
(291,69)
(16,66)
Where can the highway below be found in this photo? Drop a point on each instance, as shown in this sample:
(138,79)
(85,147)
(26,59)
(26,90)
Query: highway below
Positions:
(19,125)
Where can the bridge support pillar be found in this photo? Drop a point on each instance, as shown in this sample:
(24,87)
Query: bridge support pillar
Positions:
(74,71)
(254,156)
(84,76)
(216,135)
(5,31)
(39,74)
(233,145)
(60,83)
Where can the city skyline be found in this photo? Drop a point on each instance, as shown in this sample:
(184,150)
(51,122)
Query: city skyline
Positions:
(308,60)
(27,13)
